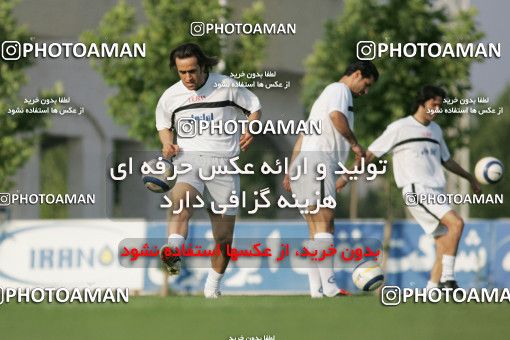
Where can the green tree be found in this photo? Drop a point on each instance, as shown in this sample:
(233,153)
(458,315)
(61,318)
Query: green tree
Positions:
(490,138)
(16,130)
(393,21)
(53,176)
(141,81)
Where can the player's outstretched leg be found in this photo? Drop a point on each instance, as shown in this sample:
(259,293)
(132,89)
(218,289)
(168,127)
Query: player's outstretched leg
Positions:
(223,232)
(450,243)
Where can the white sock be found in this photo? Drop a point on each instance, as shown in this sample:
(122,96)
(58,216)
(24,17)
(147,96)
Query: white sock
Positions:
(175,240)
(329,287)
(212,284)
(314,276)
(431,285)
(448,264)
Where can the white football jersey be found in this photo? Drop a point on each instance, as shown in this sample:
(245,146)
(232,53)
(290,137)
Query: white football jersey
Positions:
(418,152)
(218,100)
(335,97)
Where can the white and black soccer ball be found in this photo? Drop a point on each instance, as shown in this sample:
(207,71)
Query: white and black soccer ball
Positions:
(489,170)
(368,276)
(159,182)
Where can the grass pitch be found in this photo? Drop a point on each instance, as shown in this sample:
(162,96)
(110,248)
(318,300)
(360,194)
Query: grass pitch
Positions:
(284,317)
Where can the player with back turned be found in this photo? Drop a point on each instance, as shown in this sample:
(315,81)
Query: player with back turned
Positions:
(200,95)
(334,107)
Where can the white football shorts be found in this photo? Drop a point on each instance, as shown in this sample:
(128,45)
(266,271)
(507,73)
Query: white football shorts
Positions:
(308,187)
(425,210)
(219,189)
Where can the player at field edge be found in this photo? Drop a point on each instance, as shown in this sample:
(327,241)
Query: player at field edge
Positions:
(334,107)
(201,94)
(419,155)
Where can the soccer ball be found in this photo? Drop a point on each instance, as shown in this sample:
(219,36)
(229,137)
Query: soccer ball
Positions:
(368,276)
(489,170)
(159,182)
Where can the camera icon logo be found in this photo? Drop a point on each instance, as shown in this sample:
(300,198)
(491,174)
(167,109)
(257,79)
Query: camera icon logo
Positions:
(187,128)
(366,50)
(197,29)
(11,50)
(411,199)
(5,199)
(390,295)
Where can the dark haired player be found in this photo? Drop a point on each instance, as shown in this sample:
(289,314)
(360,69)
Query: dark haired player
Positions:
(201,94)
(419,155)
(335,108)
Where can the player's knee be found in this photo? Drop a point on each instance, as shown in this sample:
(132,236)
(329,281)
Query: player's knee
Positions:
(182,216)
(223,240)
(456,227)
(460,226)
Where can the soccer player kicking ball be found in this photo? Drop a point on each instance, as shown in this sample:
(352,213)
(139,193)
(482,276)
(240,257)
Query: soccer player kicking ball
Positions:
(419,153)
(202,95)
(334,108)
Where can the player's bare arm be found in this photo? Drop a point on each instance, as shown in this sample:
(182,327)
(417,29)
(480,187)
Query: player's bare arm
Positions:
(295,152)
(454,167)
(341,125)
(342,181)
(247,138)
(169,149)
